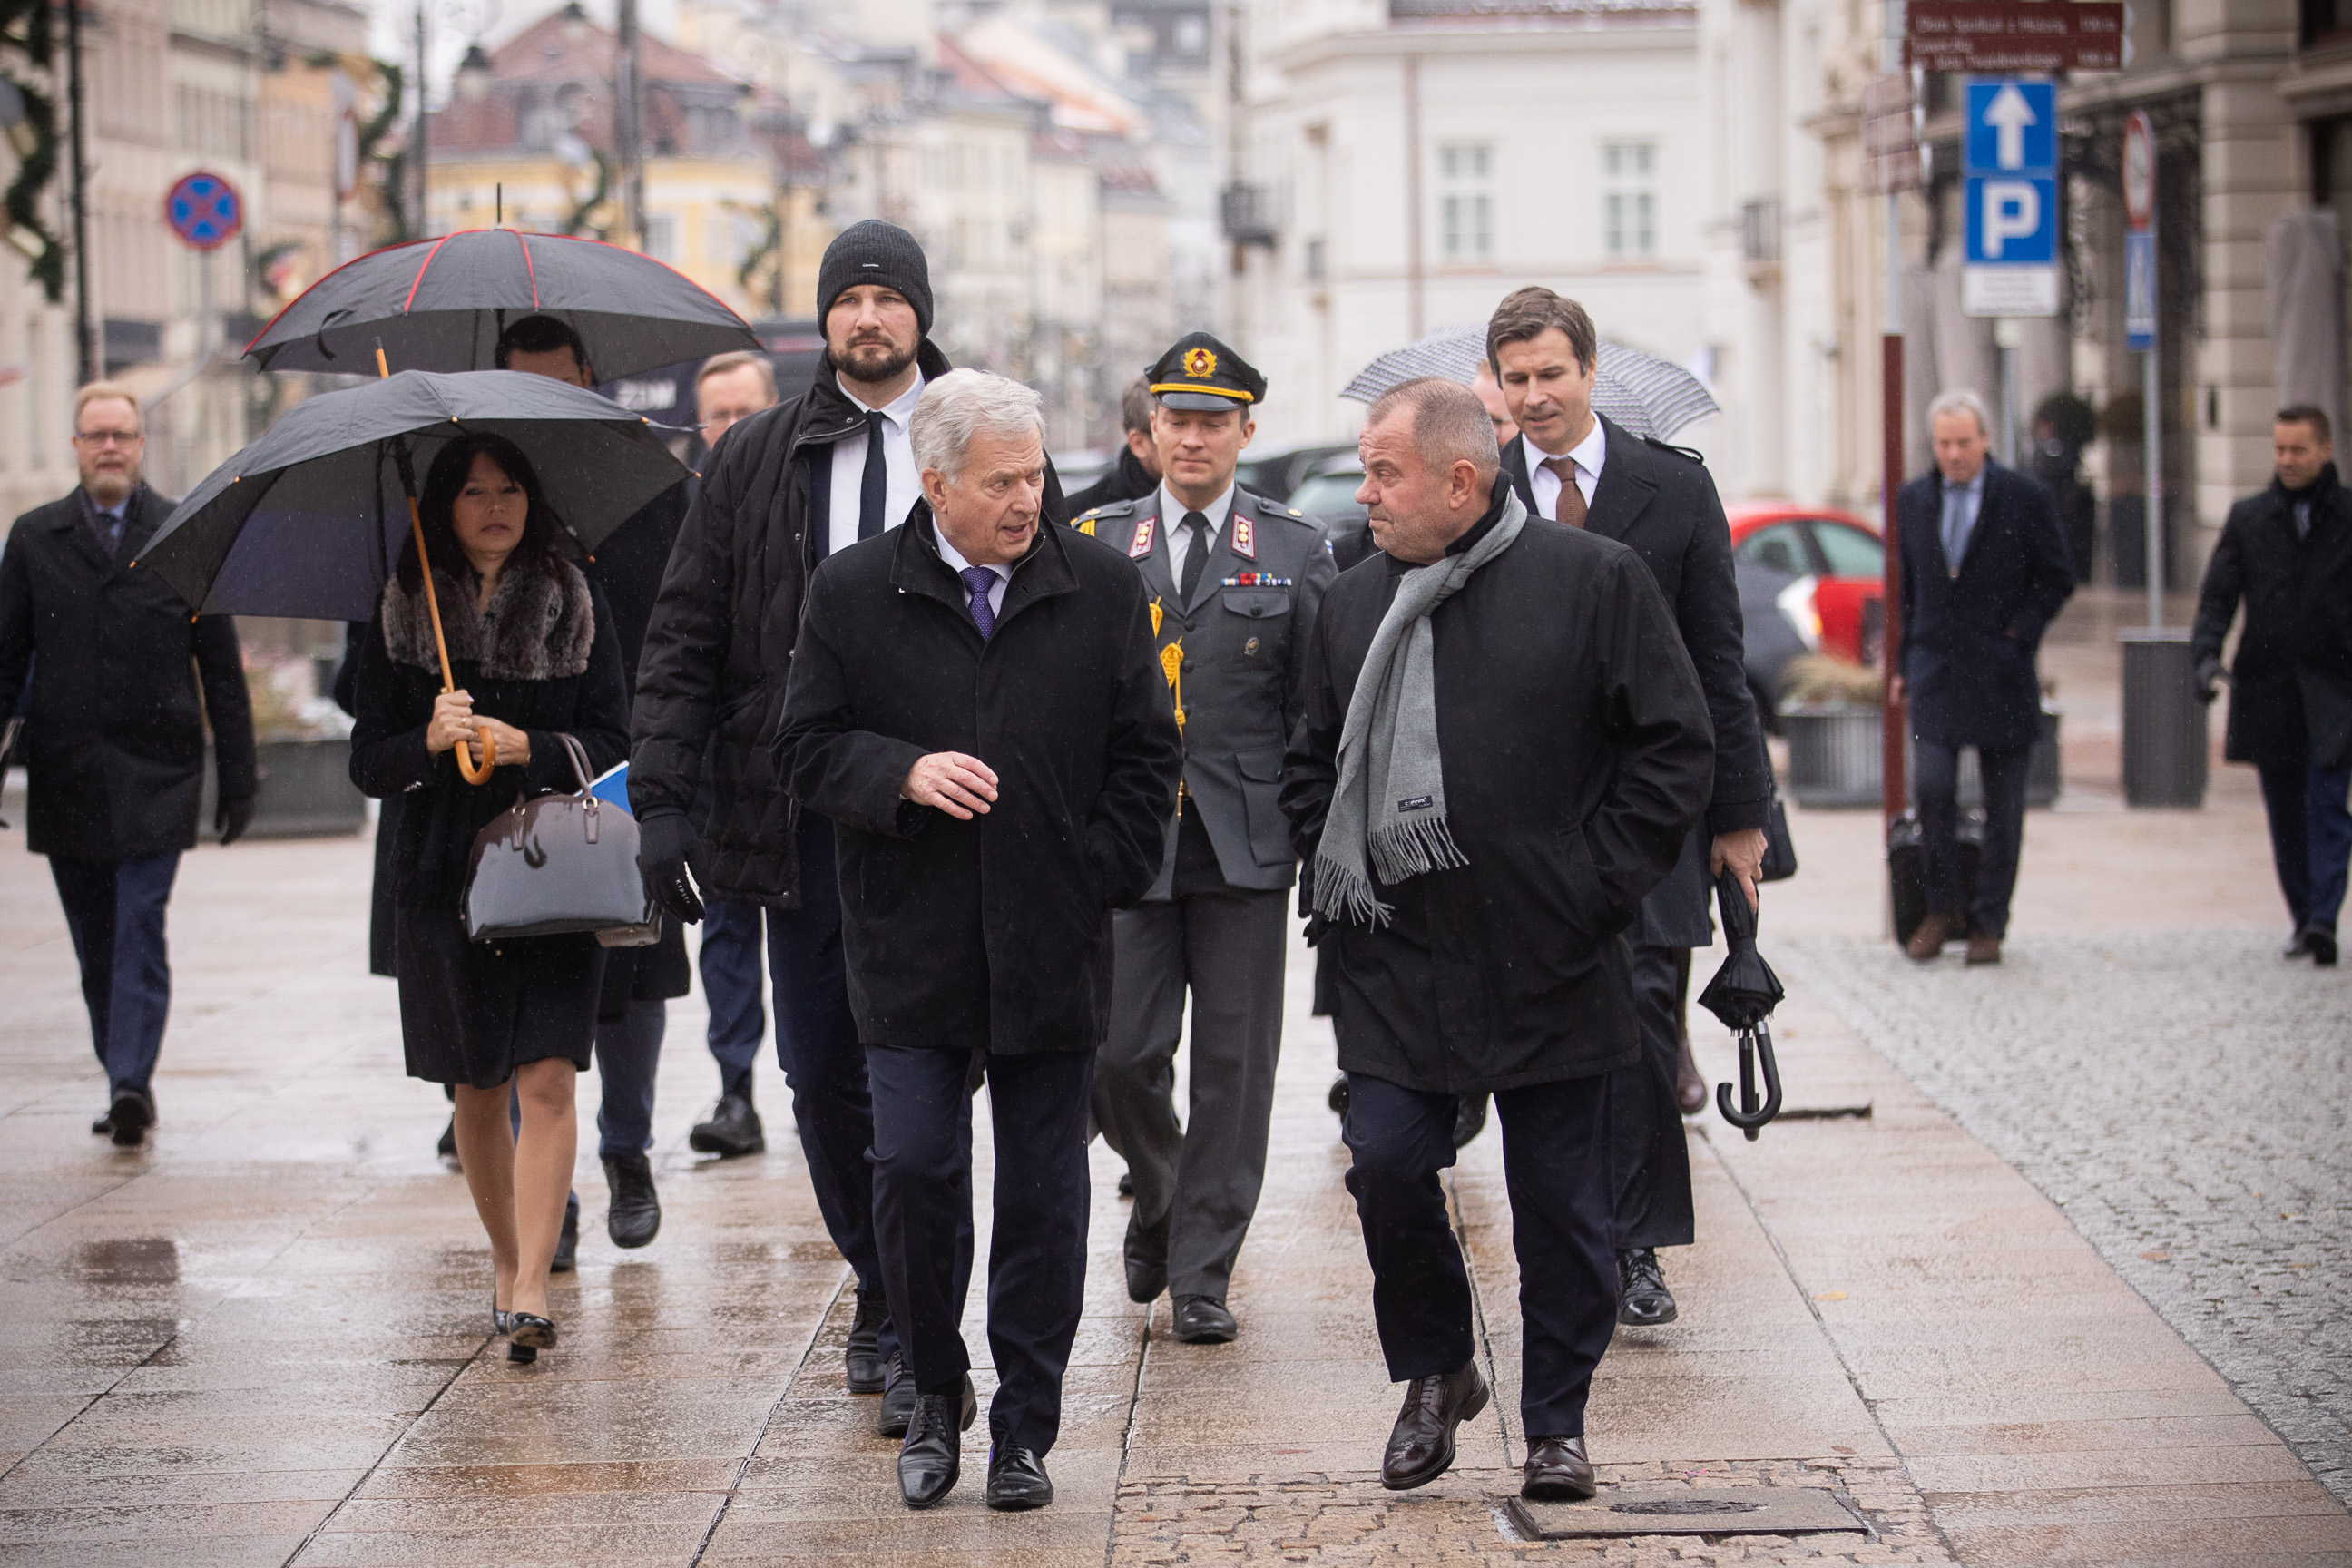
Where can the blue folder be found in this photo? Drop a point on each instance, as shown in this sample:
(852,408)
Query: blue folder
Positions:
(613,786)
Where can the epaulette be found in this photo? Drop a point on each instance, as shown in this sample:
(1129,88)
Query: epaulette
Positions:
(1115,509)
(1691,453)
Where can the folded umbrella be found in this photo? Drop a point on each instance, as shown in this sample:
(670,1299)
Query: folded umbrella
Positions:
(440,304)
(1646,395)
(1743,994)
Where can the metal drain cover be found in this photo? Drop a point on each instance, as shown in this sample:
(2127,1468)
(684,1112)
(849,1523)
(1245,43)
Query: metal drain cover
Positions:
(1654,1510)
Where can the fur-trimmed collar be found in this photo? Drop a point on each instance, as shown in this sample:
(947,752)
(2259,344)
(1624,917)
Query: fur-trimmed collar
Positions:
(535,629)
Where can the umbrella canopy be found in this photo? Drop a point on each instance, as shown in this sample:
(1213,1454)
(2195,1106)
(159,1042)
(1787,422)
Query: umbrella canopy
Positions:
(440,304)
(309,519)
(1745,990)
(1645,394)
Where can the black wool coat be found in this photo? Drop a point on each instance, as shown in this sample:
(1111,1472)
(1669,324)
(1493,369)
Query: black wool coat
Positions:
(2291,684)
(1969,636)
(1578,755)
(114,733)
(993,932)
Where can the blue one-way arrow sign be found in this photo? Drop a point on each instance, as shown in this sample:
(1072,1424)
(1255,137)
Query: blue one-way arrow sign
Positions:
(2012,127)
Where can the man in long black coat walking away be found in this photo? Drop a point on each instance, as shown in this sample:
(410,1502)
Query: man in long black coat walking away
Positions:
(1504,747)
(976,704)
(114,736)
(2287,554)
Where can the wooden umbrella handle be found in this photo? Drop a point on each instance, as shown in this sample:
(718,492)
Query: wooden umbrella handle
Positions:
(472,772)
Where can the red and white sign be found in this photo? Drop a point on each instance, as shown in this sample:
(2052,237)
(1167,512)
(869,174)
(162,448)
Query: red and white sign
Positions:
(2139,170)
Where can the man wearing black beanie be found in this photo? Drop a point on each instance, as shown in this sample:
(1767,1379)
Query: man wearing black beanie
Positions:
(784,489)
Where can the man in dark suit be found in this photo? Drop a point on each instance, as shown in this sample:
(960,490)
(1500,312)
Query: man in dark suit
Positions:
(1573,466)
(114,738)
(1984,569)
(2287,554)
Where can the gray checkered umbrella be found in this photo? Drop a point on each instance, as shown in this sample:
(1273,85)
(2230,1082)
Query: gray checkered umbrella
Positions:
(1645,394)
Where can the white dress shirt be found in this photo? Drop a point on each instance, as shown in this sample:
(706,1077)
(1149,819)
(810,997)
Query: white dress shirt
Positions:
(897,460)
(1171,514)
(1589,455)
(954,558)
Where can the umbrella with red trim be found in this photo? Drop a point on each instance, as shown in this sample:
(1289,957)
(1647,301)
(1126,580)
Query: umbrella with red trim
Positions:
(440,305)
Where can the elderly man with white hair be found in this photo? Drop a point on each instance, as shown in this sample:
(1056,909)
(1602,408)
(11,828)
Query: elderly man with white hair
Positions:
(975,702)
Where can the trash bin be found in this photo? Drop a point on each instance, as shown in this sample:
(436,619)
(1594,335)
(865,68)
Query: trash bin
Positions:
(1836,759)
(2164,724)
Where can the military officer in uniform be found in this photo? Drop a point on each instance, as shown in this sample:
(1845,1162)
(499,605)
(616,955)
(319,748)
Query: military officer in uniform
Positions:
(1236,580)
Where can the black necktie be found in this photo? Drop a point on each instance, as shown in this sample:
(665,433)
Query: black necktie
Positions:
(873,489)
(1196,555)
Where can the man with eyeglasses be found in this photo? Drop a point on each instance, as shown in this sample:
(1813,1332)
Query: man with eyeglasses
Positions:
(105,664)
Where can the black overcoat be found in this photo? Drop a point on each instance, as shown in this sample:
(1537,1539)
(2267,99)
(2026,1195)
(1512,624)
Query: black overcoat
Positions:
(114,734)
(1969,638)
(2291,684)
(993,932)
(1576,754)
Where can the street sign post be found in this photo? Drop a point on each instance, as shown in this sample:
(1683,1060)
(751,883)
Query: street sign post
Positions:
(2032,37)
(2009,193)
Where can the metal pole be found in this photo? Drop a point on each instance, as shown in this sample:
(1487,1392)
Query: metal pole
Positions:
(85,339)
(1893,721)
(626,136)
(423,226)
(2152,413)
(1413,259)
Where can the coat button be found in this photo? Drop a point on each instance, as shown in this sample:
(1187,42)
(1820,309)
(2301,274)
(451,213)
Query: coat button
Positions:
(1190,667)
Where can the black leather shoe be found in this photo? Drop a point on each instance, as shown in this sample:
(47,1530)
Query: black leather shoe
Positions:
(1016,1479)
(1127,1184)
(1337,1098)
(133,1111)
(1642,1299)
(733,1129)
(867,1370)
(632,1215)
(447,1146)
(1469,1119)
(567,1240)
(530,1331)
(1421,1447)
(2297,946)
(1557,1470)
(1147,1257)
(898,1399)
(103,1125)
(931,1457)
(2322,945)
(1203,1320)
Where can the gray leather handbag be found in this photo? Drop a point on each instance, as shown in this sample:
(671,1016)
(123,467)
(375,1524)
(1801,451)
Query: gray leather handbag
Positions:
(557,863)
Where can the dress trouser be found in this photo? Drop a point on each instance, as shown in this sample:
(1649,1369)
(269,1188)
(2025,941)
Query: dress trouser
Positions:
(729,960)
(1037,1251)
(1556,1169)
(628,1055)
(2311,837)
(114,912)
(1936,774)
(1202,1175)
(1650,1156)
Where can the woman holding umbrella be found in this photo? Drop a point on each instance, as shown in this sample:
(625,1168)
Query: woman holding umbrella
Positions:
(534,657)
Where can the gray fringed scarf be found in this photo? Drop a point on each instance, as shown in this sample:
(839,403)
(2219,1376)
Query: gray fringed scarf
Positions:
(1390,803)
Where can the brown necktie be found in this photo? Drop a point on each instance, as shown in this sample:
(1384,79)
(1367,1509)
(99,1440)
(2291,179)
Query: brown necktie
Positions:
(1570,507)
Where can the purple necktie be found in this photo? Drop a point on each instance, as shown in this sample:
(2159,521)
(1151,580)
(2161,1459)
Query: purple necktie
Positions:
(977,581)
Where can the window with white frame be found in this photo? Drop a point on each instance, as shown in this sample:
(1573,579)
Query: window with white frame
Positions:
(1629,200)
(1465,202)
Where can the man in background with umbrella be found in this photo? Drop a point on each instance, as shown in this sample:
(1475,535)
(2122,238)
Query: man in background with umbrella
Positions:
(1578,466)
(114,736)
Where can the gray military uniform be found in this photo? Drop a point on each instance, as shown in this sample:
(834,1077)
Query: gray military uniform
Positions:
(1215,923)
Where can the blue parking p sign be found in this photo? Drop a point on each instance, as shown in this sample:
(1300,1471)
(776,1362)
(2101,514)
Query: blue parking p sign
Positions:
(2011,220)
(2010,197)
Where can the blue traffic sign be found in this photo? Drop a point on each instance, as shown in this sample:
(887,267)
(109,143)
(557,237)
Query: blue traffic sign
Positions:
(2140,290)
(2011,220)
(2012,127)
(204,210)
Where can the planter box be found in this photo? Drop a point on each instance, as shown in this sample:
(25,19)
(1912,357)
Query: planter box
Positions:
(306,792)
(1835,761)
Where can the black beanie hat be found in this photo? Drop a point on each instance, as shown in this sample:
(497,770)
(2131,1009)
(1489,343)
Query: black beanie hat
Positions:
(876,252)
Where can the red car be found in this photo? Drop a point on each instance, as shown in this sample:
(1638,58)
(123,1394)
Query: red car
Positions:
(1836,600)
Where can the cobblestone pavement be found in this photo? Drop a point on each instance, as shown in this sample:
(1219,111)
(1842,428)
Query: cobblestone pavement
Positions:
(2184,1098)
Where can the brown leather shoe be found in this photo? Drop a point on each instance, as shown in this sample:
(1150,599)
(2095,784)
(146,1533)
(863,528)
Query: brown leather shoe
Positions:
(1557,1470)
(1690,1087)
(1984,950)
(1422,1446)
(1938,927)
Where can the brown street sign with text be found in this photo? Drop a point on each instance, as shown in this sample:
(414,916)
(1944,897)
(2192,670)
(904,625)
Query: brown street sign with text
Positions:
(1993,37)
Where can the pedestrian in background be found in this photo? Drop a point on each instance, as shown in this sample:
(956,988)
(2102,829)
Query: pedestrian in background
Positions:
(113,742)
(1137,472)
(535,656)
(1984,570)
(976,705)
(2287,555)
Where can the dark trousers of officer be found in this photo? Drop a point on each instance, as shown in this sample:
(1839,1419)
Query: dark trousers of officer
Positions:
(1936,775)
(1650,1159)
(628,1055)
(1037,1250)
(1204,1174)
(1556,1168)
(729,961)
(114,912)
(2311,837)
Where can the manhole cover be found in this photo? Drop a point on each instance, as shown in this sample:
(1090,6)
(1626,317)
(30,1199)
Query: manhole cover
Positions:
(1687,1505)
(1655,1509)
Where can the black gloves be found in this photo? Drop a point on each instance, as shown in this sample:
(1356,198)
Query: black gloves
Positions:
(668,846)
(2211,677)
(232,816)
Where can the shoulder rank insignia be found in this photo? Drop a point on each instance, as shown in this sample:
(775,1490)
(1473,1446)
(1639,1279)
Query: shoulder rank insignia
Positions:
(1254,580)
(1244,538)
(1296,512)
(1140,545)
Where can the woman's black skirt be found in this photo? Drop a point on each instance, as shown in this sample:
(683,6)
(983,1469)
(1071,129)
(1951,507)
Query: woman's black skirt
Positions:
(471,1013)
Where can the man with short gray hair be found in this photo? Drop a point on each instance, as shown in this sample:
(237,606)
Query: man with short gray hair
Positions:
(975,704)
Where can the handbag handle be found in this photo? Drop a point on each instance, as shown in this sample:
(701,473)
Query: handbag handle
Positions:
(579,754)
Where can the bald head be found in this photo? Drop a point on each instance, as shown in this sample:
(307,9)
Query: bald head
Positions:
(1430,463)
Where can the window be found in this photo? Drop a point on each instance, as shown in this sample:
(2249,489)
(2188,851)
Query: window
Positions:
(661,236)
(1465,202)
(1629,199)
(1777,547)
(1851,552)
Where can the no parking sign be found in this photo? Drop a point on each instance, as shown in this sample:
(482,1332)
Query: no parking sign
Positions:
(204,210)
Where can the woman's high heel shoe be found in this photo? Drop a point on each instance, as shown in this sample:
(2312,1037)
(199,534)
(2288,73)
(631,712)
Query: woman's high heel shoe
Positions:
(529,1330)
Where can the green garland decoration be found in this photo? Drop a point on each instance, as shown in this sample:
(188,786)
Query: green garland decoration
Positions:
(25,29)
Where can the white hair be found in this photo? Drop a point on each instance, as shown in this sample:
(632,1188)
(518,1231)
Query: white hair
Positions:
(1960,401)
(964,404)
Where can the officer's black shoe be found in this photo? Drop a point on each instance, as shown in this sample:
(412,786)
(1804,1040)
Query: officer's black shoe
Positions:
(2297,946)
(1337,1098)
(1469,1119)
(899,1400)
(567,1240)
(1147,1257)
(867,1370)
(633,1218)
(447,1147)
(2321,943)
(1016,1479)
(1642,1301)
(133,1111)
(733,1129)
(931,1457)
(1203,1320)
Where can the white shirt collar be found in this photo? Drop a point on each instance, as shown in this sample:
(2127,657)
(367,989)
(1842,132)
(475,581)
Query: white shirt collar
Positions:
(1589,453)
(900,410)
(954,557)
(1172,510)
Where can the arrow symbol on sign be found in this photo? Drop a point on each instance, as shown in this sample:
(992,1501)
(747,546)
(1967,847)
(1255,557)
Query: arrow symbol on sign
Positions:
(2008,115)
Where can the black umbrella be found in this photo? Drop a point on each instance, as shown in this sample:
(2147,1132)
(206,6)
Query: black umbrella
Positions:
(440,304)
(1743,994)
